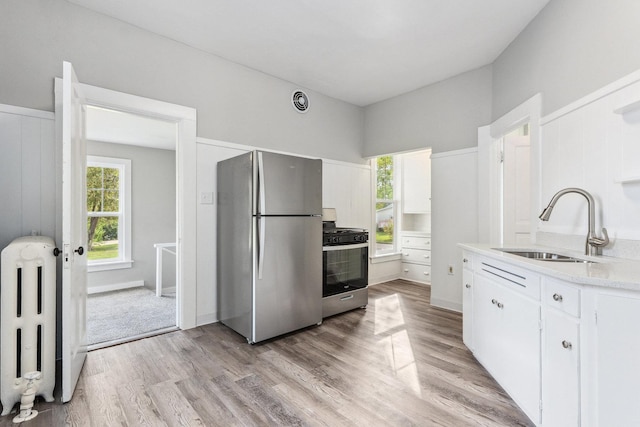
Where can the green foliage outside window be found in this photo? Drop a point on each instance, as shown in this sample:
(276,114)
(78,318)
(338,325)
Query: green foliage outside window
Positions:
(103,195)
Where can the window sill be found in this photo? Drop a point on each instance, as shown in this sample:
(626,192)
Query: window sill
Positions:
(105,266)
(375,259)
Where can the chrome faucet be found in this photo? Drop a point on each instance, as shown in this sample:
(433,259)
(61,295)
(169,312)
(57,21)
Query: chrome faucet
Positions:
(594,243)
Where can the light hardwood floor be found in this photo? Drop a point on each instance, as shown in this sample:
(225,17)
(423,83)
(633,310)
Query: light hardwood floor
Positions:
(400,362)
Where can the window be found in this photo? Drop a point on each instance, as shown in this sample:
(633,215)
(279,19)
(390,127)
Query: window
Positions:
(108,213)
(385,205)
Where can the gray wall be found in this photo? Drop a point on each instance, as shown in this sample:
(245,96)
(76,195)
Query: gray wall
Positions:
(153,211)
(444,116)
(234,103)
(570,49)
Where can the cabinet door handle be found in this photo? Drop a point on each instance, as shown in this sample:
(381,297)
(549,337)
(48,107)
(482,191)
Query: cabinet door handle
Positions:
(465,260)
(494,302)
(426,273)
(500,305)
(467,286)
(557,297)
(405,254)
(566,344)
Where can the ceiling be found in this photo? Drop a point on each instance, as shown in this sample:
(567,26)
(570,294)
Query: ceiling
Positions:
(359,51)
(117,127)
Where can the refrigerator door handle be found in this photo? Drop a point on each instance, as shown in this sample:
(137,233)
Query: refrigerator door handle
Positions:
(261,196)
(261,245)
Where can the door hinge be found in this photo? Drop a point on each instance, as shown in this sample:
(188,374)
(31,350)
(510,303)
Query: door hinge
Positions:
(540,324)
(501,156)
(596,316)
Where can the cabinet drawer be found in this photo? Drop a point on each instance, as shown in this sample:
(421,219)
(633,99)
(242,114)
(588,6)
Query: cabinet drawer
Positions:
(562,296)
(416,242)
(418,256)
(416,272)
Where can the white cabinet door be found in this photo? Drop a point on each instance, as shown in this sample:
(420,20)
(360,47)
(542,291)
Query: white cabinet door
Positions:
(467,307)
(617,360)
(416,182)
(506,334)
(561,370)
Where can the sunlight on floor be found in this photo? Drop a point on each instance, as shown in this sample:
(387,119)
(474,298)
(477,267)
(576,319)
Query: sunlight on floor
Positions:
(397,345)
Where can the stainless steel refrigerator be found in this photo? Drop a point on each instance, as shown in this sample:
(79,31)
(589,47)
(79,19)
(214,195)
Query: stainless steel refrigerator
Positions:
(269,244)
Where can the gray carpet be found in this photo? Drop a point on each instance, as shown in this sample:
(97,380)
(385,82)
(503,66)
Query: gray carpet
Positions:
(122,314)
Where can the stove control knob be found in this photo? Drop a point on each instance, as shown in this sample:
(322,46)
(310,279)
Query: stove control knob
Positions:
(334,239)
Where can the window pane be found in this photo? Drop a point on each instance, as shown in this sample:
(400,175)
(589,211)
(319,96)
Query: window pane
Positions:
(384,178)
(103,238)
(384,226)
(103,185)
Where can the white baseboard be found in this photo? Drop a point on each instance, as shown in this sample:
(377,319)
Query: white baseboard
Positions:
(169,290)
(382,279)
(447,305)
(205,319)
(114,287)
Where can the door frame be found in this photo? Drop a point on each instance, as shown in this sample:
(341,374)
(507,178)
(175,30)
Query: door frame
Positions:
(186,193)
(489,167)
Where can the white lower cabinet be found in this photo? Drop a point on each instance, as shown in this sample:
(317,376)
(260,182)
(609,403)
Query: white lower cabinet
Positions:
(567,353)
(561,370)
(614,377)
(506,340)
(467,302)
(416,257)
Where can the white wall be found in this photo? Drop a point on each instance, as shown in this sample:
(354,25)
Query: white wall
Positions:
(570,49)
(590,146)
(234,103)
(27,171)
(454,219)
(444,116)
(153,212)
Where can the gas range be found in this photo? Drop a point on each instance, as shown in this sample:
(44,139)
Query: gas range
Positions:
(333,236)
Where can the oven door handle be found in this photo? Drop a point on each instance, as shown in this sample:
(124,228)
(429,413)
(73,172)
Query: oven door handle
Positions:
(344,247)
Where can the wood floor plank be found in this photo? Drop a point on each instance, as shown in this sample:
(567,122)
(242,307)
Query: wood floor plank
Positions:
(398,362)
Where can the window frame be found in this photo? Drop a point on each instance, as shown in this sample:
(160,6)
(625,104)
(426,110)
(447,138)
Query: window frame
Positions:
(392,253)
(124,215)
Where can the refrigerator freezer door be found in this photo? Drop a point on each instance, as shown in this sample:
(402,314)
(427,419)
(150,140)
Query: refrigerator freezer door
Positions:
(288,185)
(234,238)
(289,295)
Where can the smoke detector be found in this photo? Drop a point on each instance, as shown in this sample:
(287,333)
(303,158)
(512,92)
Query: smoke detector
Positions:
(300,101)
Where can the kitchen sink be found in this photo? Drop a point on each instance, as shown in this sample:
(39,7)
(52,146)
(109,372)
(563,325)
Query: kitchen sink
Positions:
(543,256)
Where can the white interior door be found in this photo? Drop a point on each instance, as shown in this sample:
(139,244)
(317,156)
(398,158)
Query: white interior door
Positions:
(74,232)
(516,191)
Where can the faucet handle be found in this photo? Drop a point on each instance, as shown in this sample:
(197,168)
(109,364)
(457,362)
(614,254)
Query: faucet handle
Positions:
(600,242)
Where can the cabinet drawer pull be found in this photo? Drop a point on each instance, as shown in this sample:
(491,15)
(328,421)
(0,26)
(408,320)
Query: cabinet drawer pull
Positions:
(465,260)
(557,297)
(566,344)
(467,286)
(426,273)
(405,254)
(406,270)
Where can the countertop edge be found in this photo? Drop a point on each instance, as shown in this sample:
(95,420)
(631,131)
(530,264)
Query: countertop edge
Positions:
(604,272)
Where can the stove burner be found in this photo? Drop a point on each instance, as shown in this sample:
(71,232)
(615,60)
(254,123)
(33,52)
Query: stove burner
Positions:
(332,236)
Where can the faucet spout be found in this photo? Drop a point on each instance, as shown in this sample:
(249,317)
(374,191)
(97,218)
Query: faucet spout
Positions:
(593,242)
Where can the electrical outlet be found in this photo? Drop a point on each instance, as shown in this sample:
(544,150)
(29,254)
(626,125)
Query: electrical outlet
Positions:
(450,271)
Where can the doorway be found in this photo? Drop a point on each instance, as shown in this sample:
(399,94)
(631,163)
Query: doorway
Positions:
(516,187)
(131,204)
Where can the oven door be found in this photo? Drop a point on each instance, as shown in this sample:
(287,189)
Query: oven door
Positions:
(345,268)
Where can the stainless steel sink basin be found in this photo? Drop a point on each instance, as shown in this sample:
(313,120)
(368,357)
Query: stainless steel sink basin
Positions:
(543,256)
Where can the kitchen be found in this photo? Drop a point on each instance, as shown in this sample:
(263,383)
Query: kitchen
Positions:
(549,56)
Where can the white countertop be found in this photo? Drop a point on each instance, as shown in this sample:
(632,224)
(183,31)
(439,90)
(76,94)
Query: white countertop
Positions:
(602,272)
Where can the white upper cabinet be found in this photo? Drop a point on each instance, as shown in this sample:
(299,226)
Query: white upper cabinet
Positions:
(416,182)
